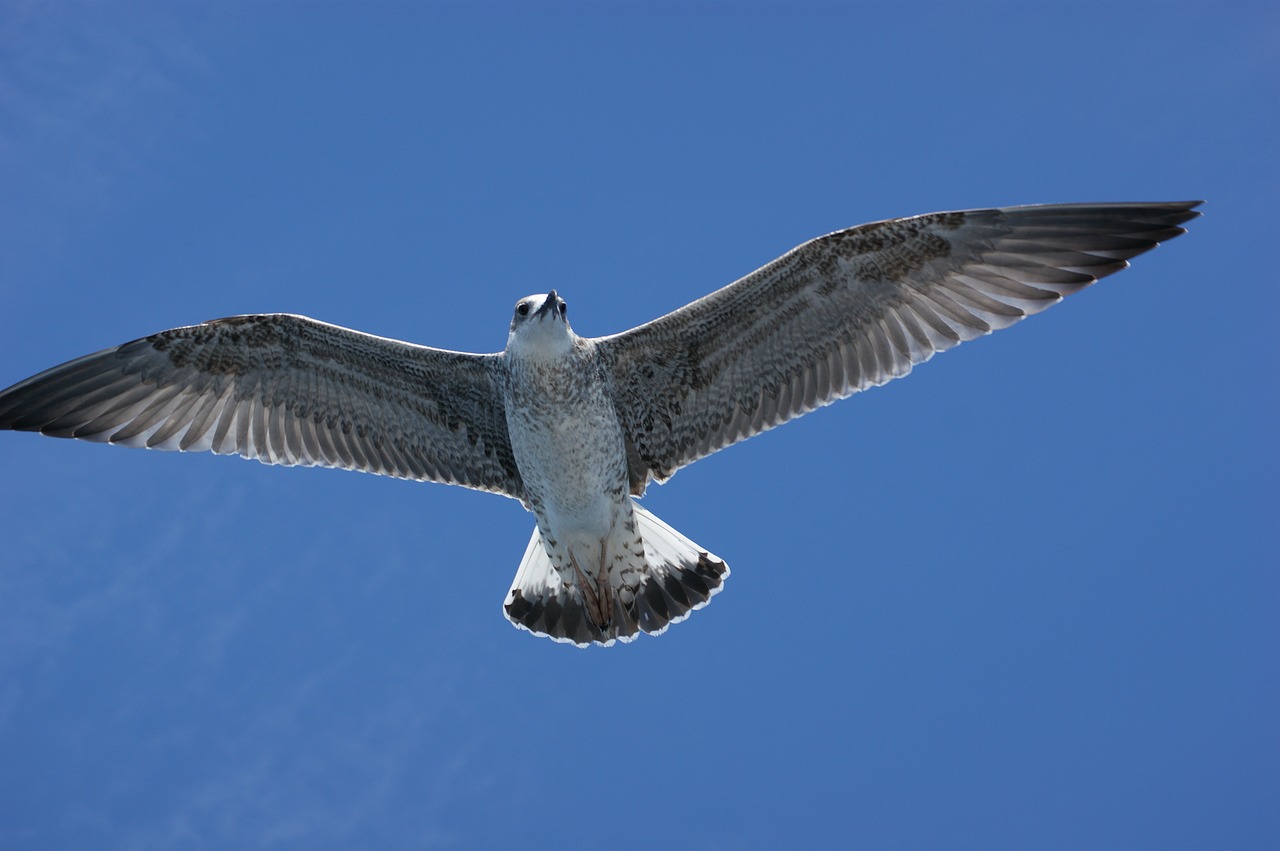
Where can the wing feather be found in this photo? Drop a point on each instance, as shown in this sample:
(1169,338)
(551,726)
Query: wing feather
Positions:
(854,309)
(287,390)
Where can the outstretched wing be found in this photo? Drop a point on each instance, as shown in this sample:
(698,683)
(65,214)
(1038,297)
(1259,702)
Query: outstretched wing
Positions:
(285,390)
(854,309)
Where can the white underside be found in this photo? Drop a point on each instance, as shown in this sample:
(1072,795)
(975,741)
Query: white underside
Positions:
(665,549)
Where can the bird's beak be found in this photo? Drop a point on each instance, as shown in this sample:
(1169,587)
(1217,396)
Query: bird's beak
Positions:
(548,305)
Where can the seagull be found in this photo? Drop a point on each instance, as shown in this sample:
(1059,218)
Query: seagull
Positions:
(576,427)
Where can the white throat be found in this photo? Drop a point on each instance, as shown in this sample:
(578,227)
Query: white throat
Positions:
(543,339)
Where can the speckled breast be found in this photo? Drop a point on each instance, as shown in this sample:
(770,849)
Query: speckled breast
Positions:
(567,442)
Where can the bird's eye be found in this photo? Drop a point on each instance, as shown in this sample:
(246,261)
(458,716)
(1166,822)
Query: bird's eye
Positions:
(564,308)
(523,308)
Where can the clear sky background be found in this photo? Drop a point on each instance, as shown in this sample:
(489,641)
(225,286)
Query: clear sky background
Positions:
(1025,598)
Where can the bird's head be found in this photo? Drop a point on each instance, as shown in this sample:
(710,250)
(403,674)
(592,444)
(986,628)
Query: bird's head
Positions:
(540,326)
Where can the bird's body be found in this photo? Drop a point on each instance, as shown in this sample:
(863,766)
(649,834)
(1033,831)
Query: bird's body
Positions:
(568,442)
(569,447)
(561,418)
(575,427)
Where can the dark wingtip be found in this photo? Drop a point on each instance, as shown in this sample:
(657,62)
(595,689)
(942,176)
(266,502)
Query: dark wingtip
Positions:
(1186,211)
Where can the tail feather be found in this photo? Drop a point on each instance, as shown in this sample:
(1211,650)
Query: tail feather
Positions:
(677,578)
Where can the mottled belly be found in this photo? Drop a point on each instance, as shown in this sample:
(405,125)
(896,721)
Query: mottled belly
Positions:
(573,467)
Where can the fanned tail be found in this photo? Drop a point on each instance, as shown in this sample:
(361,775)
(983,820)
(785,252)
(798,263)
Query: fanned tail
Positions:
(676,578)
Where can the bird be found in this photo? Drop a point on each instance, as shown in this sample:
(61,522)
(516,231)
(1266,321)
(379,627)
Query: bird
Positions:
(575,428)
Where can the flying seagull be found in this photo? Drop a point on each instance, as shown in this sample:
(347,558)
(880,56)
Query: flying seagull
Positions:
(576,427)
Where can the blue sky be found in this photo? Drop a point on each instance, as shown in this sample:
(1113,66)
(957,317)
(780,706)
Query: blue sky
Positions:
(1024,598)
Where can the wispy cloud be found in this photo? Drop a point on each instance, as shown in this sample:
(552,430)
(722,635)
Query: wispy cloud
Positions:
(90,95)
(273,784)
(240,721)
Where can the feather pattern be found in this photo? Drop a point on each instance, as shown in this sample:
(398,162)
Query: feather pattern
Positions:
(567,425)
(286,390)
(852,310)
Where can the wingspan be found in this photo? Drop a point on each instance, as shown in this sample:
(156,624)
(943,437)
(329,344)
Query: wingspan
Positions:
(285,390)
(854,309)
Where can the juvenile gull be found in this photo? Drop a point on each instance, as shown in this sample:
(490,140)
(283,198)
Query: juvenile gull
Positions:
(576,427)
